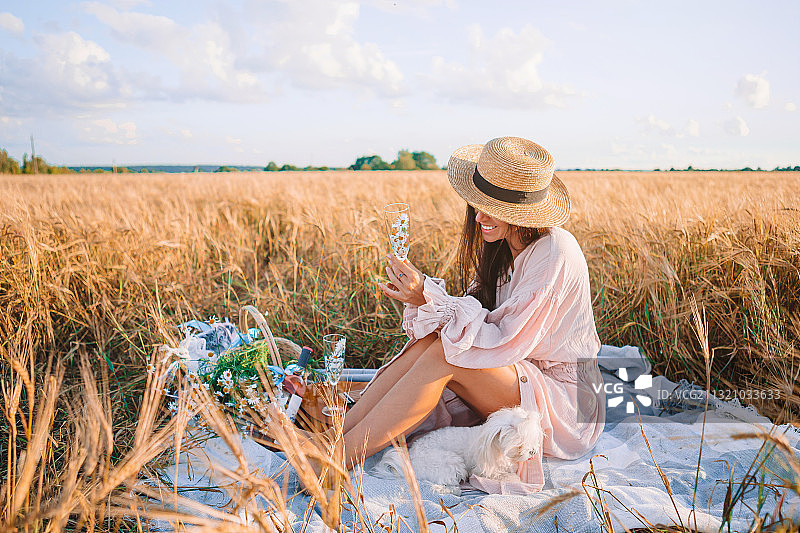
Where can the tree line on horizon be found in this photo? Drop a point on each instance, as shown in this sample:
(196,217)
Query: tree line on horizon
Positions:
(406,160)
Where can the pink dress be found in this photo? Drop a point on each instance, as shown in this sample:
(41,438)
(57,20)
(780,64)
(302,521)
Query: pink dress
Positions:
(543,325)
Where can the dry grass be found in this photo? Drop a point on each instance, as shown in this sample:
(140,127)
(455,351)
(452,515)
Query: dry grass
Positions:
(96,269)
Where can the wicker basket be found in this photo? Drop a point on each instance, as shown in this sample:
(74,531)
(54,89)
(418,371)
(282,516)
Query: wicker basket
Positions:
(280,349)
(287,349)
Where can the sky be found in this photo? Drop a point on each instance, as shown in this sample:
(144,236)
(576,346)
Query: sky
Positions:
(613,84)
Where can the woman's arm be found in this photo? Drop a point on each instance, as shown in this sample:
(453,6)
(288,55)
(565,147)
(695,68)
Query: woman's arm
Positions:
(472,336)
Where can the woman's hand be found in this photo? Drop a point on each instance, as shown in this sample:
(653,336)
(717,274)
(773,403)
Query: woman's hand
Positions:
(406,281)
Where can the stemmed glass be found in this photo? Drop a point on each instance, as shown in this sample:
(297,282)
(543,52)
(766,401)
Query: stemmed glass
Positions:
(396,217)
(333,349)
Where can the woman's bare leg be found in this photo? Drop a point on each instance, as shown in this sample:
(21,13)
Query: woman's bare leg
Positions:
(417,391)
(387,379)
(378,388)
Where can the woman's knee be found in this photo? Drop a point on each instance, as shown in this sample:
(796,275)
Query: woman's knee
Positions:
(420,346)
(434,353)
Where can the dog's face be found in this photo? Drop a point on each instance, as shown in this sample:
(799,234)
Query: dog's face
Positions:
(509,436)
(521,438)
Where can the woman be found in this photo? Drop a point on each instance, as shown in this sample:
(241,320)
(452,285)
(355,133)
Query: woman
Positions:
(523,334)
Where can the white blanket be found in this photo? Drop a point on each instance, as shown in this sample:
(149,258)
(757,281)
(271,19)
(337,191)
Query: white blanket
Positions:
(626,469)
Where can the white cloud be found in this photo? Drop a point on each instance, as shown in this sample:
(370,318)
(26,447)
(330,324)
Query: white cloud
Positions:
(10,128)
(652,124)
(313,43)
(669,149)
(503,71)
(791,107)
(184,134)
(754,89)
(231,57)
(343,21)
(11,24)
(737,127)
(106,131)
(76,64)
(692,128)
(67,71)
(233,140)
(203,55)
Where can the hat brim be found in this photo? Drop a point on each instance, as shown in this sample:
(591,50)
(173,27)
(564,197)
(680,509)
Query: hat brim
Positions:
(553,210)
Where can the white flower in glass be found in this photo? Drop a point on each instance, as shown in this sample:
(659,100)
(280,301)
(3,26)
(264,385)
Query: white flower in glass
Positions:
(399,235)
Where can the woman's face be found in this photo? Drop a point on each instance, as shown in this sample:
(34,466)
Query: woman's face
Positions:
(492,229)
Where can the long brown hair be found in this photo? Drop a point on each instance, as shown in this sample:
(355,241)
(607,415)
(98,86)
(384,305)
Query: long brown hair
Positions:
(487,260)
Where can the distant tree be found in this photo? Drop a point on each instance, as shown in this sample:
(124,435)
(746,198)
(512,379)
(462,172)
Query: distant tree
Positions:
(370,162)
(271,167)
(425,161)
(62,170)
(288,167)
(323,167)
(27,164)
(404,161)
(42,167)
(225,168)
(8,165)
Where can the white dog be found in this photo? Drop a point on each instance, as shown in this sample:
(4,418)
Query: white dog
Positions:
(450,455)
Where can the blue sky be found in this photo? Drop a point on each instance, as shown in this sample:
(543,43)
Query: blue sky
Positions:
(612,84)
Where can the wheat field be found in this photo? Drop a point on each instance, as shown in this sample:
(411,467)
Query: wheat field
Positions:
(96,270)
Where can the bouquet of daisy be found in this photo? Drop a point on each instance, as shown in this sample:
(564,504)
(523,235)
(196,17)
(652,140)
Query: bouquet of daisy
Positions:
(242,370)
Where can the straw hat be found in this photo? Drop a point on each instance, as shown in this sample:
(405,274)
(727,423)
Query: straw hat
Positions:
(510,179)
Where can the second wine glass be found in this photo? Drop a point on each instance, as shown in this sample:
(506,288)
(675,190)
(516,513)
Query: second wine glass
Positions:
(333,350)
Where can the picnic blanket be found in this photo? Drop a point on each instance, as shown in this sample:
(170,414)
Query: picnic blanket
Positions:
(624,466)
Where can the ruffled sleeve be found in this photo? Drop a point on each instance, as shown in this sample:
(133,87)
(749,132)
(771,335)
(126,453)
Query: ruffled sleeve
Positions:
(409,315)
(411,311)
(474,337)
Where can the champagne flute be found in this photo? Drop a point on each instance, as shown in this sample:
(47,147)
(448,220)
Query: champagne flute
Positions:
(396,217)
(333,351)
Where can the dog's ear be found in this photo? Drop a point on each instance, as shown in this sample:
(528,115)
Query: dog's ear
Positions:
(490,448)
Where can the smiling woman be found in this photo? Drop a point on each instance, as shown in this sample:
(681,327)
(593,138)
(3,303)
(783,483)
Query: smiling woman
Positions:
(523,334)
